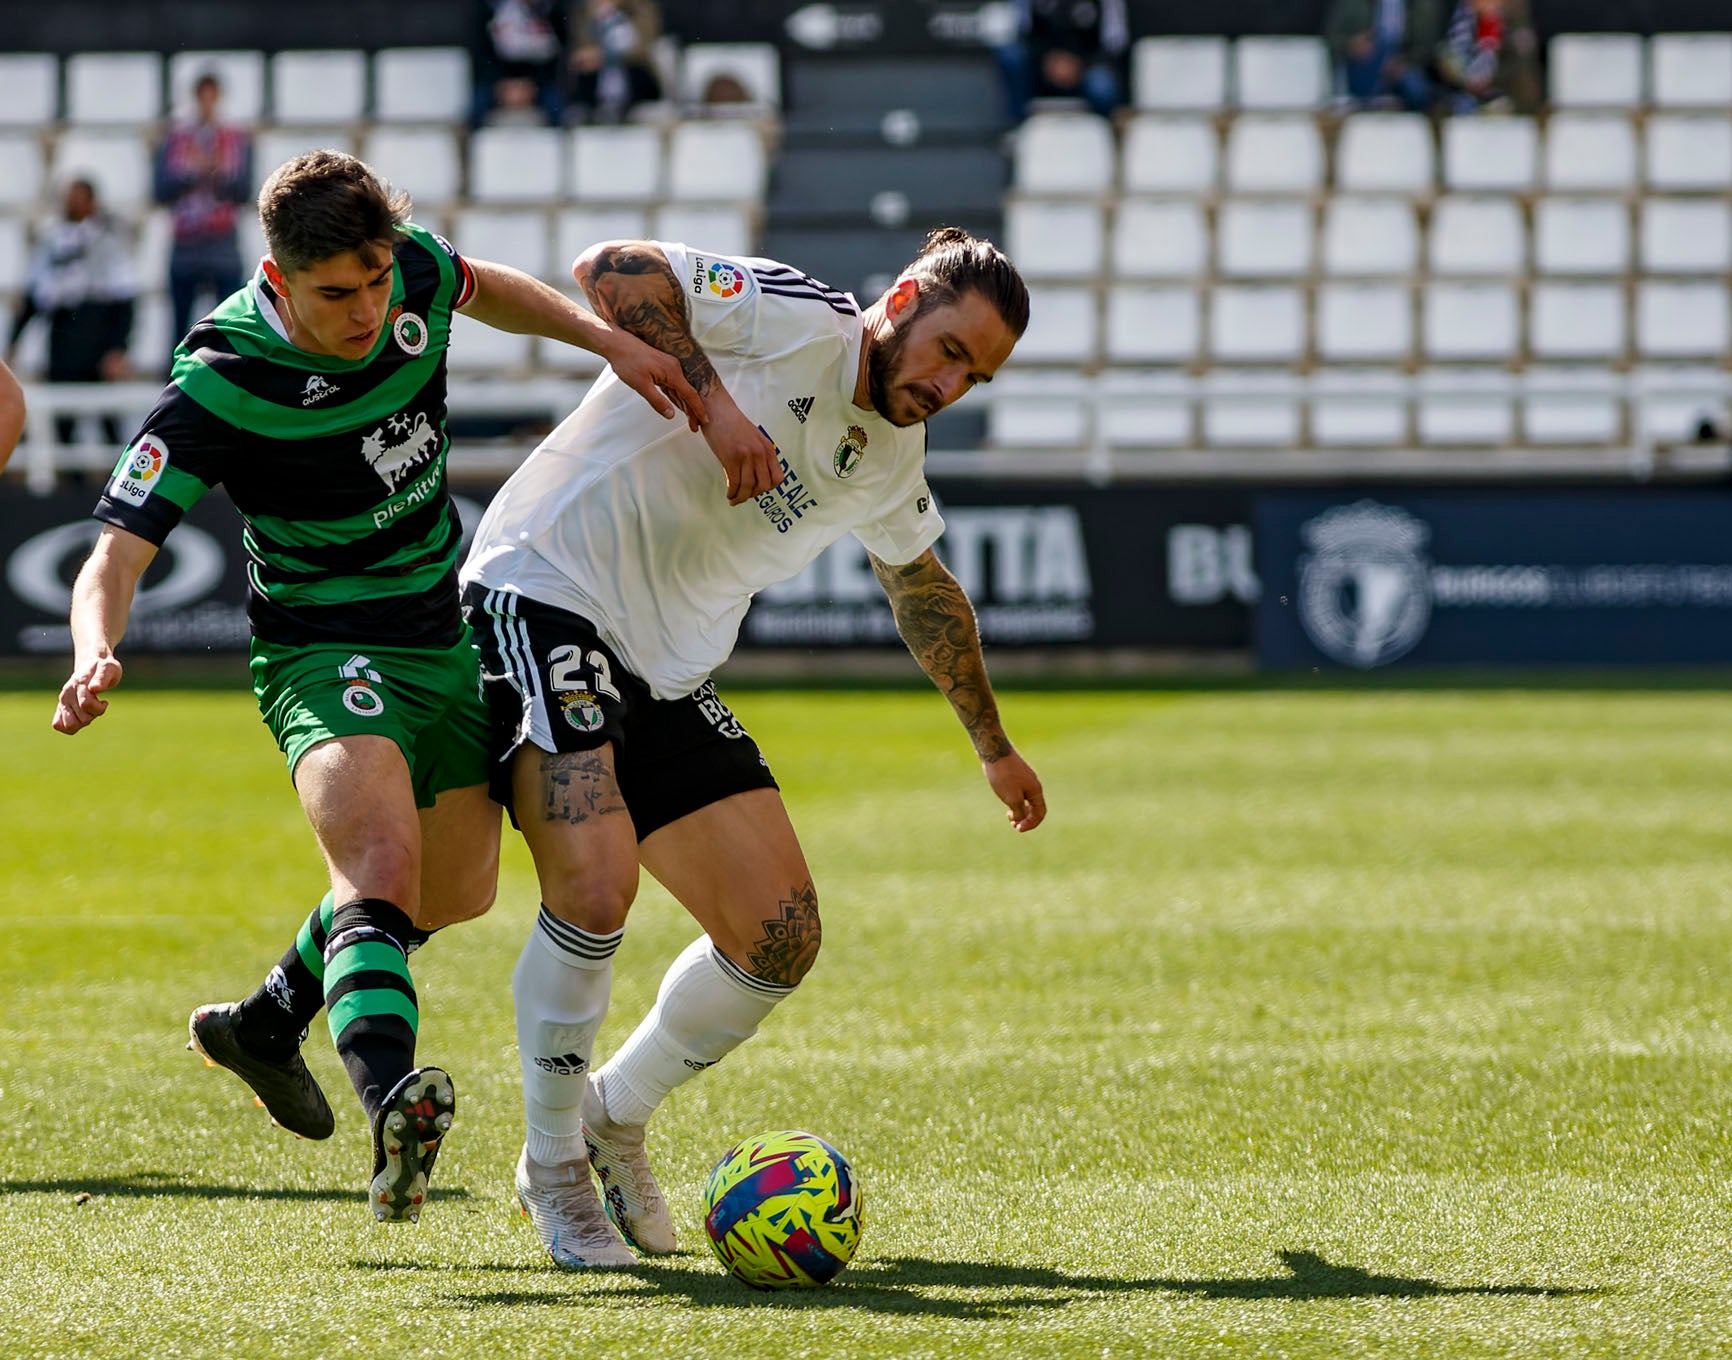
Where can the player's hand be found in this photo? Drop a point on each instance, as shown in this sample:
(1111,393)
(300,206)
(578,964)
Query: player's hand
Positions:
(657,378)
(746,453)
(81,702)
(1018,787)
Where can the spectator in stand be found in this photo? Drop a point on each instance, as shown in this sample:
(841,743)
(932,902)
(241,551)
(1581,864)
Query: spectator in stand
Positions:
(519,55)
(204,170)
(613,57)
(82,278)
(1067,48)
(1383,50)
(1486,58)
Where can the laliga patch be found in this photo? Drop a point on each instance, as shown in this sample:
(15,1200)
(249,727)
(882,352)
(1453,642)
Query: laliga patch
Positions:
(850,451)
(716,280)
(139,471)
(581,710)
(410,332)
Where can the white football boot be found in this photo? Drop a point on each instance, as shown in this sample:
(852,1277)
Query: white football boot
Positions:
(628,1188)
(561,1203)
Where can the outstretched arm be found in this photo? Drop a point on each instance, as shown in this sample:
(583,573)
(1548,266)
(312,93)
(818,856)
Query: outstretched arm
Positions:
(937,622)
(11,414)
(101,606)
(631,285)
(510,300)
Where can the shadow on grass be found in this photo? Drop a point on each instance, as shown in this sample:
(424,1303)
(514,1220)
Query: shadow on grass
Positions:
(165,1185)
(902,1285)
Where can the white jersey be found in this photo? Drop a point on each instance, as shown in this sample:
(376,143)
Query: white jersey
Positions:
(622,517)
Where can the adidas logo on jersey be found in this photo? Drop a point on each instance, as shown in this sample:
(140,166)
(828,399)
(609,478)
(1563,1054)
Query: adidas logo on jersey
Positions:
(801,407)
(317,389)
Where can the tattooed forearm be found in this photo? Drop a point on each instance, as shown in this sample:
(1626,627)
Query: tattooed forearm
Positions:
(786,950)
(578,786)
(937,622)
(631,286)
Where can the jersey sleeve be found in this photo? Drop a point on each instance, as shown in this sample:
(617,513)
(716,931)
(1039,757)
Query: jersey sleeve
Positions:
(175,458)
(462,279)
(755,309)
(909,525)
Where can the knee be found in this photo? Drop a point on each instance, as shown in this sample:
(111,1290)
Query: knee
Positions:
(788,947)
(592,897)
(389,869)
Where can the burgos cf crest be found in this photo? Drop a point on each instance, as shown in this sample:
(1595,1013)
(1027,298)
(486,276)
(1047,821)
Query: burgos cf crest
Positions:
(1365,588)
(581,710)
(850,451)
(726,280)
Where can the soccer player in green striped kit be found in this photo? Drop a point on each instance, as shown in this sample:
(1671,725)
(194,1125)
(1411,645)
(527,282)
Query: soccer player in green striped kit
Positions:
(316,397)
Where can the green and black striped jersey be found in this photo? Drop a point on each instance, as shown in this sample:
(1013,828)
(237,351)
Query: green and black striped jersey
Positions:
(337,466)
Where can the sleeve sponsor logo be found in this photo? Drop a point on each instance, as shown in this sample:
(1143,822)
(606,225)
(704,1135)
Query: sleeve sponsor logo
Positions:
(716,280)
(139,471)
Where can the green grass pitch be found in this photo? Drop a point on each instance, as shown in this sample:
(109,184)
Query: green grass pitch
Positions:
(1314,1023)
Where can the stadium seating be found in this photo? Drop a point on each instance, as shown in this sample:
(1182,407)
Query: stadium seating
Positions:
(318,88)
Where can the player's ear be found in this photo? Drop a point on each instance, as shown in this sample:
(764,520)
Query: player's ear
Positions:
(274,275)
(900,302)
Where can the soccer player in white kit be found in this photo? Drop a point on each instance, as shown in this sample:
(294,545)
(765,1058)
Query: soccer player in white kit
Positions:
(607,581)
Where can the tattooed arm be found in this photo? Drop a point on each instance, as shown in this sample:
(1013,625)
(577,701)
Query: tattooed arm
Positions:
(631,285)
(937,622)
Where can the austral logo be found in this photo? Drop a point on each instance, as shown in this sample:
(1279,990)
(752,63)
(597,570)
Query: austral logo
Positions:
(317,389)
(727,280)
(850,451)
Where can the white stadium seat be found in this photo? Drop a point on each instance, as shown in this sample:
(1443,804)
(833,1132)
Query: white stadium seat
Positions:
(1465,407)
(1570,405)
(1272,153)
(519,237)
(1250,410)
(1674,399)
(1160,239)
(1490,155)
(1590,151)
(1280,73)
(243,83)
(21,170)
(1256,324)
(1264,238)
(720,228)
(1358,408)
(1036,410)
(422,85)
(1688,152)
(575,230)
(1063,326)
(1361,322)
(315,88)
(1170,156)
(516,165)
(1385,153)
(757,67)
(1477,236)
(1581,236)
(117,163)
(29,89)
(1154,324)
(1055,239)
(1470,321)
(1143,409)
(1596,70)
(1179,74)
(717,162)
(273,146)
(616,164)
(1064,153)
(114,87)
(1686,236)
(1682,320)
(1690,70)
(1369,237)
(153,338)
(422,160)
(479,348)
(14,253)
(1577,321)
(155,240)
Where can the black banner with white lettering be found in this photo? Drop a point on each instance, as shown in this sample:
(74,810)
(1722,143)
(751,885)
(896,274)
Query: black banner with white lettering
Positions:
(1047,565)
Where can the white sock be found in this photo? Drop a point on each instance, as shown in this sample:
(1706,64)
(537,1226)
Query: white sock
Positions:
(707,1007)
(560,987)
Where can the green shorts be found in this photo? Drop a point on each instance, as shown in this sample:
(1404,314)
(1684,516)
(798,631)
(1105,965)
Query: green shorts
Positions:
(427,700)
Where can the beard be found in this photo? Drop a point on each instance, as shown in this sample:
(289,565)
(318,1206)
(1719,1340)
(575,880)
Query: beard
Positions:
(881,373)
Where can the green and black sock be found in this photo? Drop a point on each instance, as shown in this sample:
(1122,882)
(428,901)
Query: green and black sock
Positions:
(369,998)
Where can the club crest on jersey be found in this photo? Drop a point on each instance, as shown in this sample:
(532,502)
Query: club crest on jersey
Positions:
(410,332)
(850,451)
(581,710)
(139,471)
(359,696)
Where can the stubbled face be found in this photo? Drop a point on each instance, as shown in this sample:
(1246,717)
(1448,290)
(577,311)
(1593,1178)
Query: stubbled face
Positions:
(337,305)
(934,354)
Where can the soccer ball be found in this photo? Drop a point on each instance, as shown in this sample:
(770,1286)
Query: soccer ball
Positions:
(782,1211)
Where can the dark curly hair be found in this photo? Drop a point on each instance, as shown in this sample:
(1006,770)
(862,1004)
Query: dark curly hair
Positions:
(323,203)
